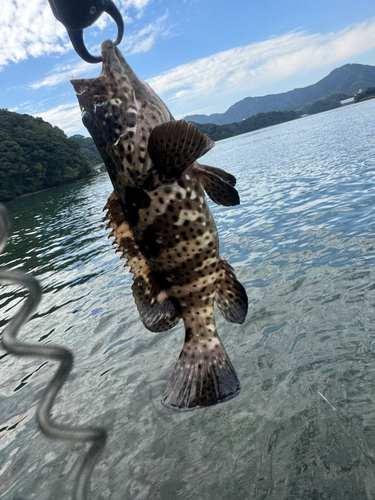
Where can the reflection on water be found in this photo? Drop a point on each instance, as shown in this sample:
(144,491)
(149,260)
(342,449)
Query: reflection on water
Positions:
(302,243)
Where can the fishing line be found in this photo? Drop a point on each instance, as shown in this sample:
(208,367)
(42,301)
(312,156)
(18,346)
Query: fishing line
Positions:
(9,341)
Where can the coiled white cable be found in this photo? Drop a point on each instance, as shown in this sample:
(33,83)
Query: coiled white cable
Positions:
(97,436)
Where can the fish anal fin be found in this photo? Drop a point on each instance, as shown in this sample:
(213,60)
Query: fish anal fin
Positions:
(230,295)
(219,191)
(175,145)
(225,176)
(155,308)
(203,375)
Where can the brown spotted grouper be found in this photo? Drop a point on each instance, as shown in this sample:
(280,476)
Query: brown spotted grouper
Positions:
(163,226)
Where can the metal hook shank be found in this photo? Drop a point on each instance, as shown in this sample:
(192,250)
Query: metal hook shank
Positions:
(76,16)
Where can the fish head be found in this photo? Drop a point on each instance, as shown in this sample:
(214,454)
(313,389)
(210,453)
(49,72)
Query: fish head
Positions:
(119,110)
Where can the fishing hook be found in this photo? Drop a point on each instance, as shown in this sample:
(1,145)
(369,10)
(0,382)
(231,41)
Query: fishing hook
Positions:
(98,436)
(76,15)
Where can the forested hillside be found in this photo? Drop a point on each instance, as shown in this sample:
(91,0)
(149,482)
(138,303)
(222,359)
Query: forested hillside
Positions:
(34,156)
(88,148)
(347,79)
(261,120)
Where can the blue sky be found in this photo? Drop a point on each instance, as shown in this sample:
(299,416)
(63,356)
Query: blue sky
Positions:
(200,56)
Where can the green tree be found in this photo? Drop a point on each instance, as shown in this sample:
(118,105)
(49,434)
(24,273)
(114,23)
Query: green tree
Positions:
(34,155)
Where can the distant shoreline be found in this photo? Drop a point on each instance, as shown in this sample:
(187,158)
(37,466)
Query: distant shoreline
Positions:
(53,187)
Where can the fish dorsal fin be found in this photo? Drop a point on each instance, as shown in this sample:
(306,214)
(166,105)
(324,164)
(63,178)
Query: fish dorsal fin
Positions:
(229,178)
(175,145)
(220,191)
(230,295)
(154,306)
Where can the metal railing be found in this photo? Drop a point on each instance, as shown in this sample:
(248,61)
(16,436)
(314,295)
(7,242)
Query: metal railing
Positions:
(9,341)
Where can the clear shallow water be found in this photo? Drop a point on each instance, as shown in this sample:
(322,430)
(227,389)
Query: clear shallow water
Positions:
(302,243)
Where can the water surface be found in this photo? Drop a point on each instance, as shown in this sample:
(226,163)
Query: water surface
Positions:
(302,243)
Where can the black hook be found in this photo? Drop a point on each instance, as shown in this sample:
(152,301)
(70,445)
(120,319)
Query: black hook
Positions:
(76,15)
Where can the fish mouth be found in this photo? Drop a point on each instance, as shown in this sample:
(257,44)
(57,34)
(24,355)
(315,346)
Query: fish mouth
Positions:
(112,58)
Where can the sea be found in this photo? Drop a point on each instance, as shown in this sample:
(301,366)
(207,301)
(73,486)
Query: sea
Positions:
(302,242)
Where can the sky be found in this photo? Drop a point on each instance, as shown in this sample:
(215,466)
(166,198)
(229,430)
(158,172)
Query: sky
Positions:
(200,56)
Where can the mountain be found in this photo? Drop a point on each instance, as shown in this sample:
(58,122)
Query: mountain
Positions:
(346,79)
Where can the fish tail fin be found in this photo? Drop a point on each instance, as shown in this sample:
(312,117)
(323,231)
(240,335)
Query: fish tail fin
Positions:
(203,375)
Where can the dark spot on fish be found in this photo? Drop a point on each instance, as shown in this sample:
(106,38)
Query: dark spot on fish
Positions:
(135,198)
(177,305)
(131,119)
(87,119)
(149,183)
(148,244)
(129,158)
(142,160)
(189,334)
(170,207)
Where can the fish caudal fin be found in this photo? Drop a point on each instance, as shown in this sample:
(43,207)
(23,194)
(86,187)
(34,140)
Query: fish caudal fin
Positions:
(203,376)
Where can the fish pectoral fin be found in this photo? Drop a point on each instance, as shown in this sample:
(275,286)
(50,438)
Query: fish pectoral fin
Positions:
(203,376)
(225,176)
(155,308)
(230,295)
(220,191)
(175,145)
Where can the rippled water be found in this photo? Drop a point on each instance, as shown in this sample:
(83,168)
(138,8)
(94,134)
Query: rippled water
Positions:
(302,243)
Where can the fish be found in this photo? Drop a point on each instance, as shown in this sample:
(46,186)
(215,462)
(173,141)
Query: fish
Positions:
(161,223)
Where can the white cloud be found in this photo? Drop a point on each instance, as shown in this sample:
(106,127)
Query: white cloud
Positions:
(199,84)
(144,39)
(29,29)
(63,73)
(243,69)
(135,43)
(67,117)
